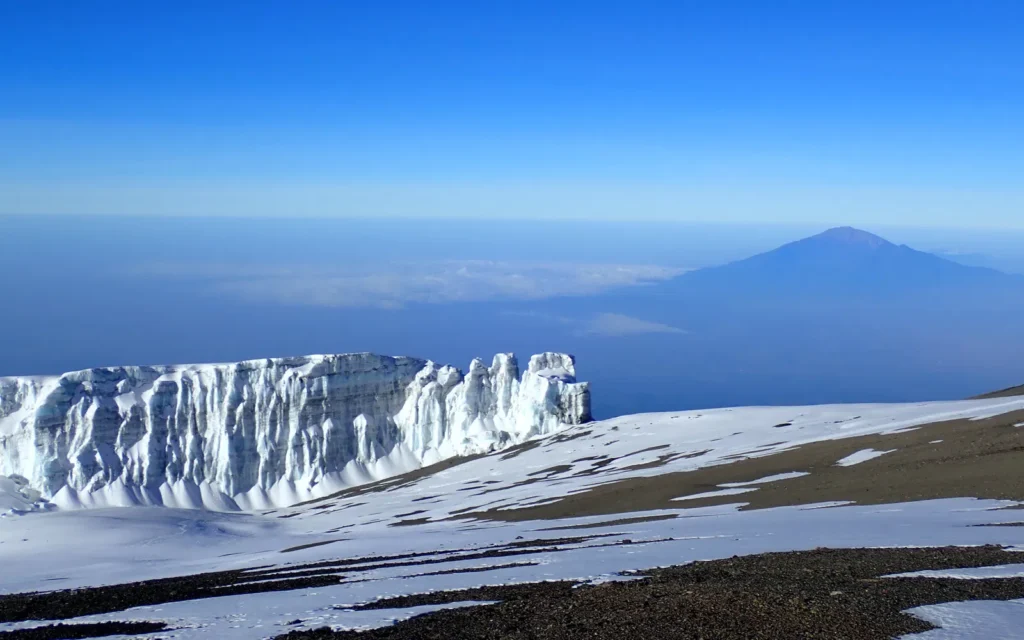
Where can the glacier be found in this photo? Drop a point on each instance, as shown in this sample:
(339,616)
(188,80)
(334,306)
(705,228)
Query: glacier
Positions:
(270,432)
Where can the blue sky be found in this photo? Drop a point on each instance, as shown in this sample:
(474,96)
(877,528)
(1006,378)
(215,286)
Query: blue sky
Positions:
(824,112)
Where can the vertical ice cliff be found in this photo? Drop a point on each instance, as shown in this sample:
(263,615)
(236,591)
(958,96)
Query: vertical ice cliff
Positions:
(269,432)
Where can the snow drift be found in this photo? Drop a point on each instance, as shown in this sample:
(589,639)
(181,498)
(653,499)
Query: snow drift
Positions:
(269,432)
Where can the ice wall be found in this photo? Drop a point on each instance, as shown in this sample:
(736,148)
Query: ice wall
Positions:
(269,432)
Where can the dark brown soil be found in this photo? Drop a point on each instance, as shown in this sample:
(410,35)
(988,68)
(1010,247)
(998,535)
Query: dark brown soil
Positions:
(975,458)
(823,594)
(1005,393)
(61,605)
(620,522)
(95,630)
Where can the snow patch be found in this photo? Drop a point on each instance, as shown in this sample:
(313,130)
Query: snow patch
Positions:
(164,542)
(861,456)
(775,478)
(167,542)
(992,620)
(715,494)
(974,573)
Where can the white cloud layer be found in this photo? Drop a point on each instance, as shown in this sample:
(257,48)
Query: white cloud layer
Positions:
(617,324)
(611,325)
(427,282)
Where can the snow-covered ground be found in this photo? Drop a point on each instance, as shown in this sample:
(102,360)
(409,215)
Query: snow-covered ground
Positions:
(998,620)
(109,549)
(69,549)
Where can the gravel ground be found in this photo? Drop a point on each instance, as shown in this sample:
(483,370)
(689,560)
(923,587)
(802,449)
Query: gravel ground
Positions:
(61,605)
(823,594)
(97,630)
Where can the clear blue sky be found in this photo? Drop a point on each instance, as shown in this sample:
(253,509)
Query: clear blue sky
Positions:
(834,112)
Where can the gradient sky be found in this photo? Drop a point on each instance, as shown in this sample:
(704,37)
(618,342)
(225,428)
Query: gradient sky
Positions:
(825,112)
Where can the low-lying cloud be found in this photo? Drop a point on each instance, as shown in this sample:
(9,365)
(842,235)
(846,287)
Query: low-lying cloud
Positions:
(396,285)
(617,324)
(611,325)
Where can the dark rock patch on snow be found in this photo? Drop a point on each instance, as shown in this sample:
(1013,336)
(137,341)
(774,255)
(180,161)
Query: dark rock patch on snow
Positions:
(826,594)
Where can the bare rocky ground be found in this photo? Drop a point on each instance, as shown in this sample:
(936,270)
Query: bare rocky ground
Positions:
(824,594)
(98,630)
(73,603)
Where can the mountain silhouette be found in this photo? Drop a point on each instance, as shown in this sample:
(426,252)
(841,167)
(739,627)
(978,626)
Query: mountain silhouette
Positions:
(844,315)
(845,261)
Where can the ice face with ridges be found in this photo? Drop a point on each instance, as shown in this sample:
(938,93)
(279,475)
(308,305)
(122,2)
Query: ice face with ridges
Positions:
(269,432)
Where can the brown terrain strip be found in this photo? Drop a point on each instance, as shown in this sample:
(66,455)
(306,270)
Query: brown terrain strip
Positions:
(980,459)
(620,522)
(824,594)
(85,630)
(73,603)
(312,545)
(1005,393)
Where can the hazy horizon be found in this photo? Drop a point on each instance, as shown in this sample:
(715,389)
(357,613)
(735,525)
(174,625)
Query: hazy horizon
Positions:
(105,291)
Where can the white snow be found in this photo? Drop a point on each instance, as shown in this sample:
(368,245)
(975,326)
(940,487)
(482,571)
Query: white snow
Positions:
(254,615)
(17,498)
(162,542)
(121,545)
(582,456)
(715,494)
(991,620)
(774,478)
(861,456)
(644,445)
(272,432)
(973,573)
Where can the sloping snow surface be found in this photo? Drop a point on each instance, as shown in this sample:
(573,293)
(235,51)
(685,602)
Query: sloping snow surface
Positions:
(441,511)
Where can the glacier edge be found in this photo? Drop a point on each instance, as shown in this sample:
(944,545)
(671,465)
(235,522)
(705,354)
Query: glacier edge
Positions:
(271,432)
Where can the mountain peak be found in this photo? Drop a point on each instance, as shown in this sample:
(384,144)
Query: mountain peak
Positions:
(852,236)
(846,261)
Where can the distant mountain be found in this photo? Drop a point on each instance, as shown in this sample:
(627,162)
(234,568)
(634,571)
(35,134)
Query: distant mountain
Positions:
(845,261)
(843,316)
